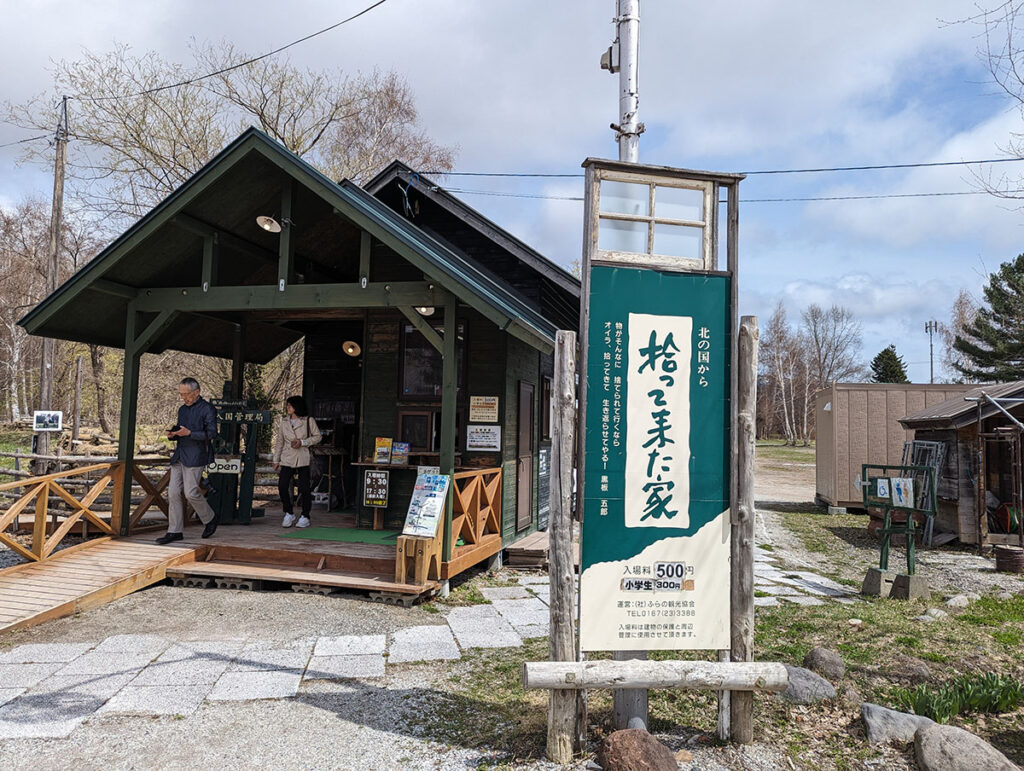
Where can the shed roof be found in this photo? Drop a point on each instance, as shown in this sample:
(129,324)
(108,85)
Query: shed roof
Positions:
(958,412)
(164,249)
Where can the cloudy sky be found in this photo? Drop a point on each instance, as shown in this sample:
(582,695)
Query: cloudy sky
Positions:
(745,86)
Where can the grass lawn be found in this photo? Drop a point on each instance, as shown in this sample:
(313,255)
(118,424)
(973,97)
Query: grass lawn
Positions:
(774,450)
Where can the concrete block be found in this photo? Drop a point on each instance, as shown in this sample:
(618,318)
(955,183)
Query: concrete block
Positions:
(878,582)
(906,587)
(836,509)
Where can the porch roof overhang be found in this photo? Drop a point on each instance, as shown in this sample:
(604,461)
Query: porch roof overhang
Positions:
(162,261)
(958,412)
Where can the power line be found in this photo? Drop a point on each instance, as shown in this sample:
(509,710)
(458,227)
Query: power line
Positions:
(253,60)
(23,141)
(824,169)
(753,200)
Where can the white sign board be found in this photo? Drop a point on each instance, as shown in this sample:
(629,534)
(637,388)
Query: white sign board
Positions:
(483,438)
(225,464)
(483,409)
(47,420)
(902,491)
(426,509)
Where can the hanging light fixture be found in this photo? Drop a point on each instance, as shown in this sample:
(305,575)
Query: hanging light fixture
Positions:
(425,310)
(269,224)
(351,348)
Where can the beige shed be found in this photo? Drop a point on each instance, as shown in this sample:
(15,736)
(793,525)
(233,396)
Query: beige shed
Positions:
(858,423)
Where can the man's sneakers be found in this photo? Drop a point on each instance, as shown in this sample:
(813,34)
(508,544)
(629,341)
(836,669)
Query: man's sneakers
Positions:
(167,538)
(211,528)
(289,520)
(303,521)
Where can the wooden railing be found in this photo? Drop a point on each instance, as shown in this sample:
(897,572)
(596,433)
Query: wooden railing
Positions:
(36,491)
(476,507)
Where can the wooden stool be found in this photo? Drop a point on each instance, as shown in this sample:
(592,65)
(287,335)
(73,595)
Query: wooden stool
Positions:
(419,558)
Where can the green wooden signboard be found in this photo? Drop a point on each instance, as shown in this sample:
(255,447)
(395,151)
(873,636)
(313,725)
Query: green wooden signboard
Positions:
(656,533)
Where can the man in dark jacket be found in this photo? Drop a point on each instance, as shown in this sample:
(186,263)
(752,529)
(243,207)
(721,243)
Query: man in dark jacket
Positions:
(197,426)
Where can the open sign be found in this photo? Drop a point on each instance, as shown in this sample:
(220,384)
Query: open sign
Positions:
(226,464)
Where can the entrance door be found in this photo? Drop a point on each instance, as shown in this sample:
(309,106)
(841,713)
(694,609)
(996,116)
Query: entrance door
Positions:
(524,454)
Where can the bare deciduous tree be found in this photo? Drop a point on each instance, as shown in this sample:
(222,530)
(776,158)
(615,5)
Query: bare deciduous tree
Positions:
(835,339)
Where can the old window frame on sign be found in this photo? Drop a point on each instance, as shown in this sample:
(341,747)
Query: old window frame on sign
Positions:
(658,203)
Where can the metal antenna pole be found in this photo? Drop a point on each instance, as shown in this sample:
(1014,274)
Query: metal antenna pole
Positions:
(622,58)
(46,364)
(931,327)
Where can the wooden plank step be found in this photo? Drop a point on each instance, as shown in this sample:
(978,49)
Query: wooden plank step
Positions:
(295,575)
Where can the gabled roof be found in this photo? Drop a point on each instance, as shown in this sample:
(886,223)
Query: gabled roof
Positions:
(427,187)
(957,412)
(163,250)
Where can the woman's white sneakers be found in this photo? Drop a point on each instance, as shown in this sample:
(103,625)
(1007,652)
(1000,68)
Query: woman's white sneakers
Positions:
(303,521)
(289,520)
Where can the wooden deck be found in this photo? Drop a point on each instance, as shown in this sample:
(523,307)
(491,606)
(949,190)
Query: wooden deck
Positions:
(82,577)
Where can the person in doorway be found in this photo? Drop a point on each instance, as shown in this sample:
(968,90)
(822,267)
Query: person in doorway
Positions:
(296,433)
(194,432)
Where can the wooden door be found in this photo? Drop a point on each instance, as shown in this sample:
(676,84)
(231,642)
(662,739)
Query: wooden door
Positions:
(525,431)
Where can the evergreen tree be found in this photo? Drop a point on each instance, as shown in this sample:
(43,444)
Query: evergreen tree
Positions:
(888,367)
(992,344)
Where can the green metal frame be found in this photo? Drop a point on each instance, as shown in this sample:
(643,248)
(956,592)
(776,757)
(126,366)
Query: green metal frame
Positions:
(908,528)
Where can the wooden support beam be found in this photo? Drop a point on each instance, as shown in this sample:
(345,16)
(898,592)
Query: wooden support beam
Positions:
(211,260)
(238,362)
(424,327)
(129,404)
(564,708)
(145,339)
(681,675)
(222,299)
(225,239)
(364,258)
(114,289)
(449,385)
(286,248)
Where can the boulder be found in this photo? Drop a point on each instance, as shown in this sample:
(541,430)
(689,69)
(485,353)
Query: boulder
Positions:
(850,697)
(958,601)
(633,749)
(948,748)
(825,662)
(887,725)
(908,668)
(805,687)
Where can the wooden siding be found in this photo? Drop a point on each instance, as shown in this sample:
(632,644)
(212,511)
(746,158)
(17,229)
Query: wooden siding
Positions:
(522,363)
(863,427)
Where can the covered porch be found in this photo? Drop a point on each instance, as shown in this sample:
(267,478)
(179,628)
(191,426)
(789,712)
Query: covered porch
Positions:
(197,274)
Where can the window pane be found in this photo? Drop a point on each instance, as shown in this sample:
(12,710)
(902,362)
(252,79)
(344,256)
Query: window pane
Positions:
(625,198)
(422,368)
(679,203)
(622,236)
(679,241)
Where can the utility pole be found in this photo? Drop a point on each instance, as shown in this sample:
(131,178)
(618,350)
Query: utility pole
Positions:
(931,328)
(622,58)
(629,704)
(52,275)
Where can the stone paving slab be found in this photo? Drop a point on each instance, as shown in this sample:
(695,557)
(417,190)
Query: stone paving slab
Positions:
(158,699)
(7,694)
(765,602)
(542,593)
(537,579)
(14,726)
(777,591)
(530,610)
(531,631)
(245,686)
(504,592)
(40,653)
(345,667)
(181,673)
(83,686)
(480,626)
(350,645)
(98,662)
(202,650)
(134,643)
(26,675)
(804,600)
(423,643)
(265,656)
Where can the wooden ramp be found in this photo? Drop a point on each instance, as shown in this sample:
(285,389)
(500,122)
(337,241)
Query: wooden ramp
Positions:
(80,578)
(532,551)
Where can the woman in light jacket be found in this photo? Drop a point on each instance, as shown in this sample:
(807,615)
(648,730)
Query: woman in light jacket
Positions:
(296,433)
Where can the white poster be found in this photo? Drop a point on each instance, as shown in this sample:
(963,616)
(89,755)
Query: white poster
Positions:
(902,491)
(483,438)
(658,414)
(483,409)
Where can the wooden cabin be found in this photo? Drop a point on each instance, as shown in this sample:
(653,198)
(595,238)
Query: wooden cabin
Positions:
(423,323)
(982,462)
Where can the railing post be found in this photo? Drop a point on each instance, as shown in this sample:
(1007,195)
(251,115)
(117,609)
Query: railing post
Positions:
(117,510)
(39,527)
